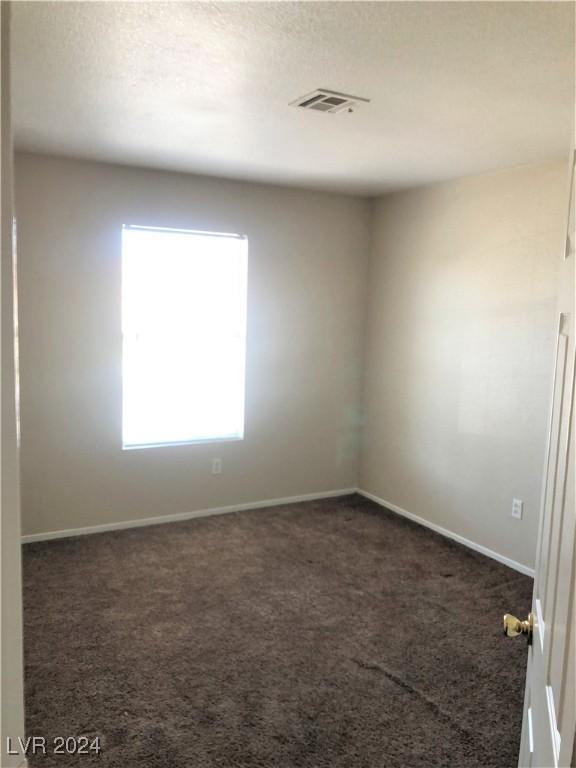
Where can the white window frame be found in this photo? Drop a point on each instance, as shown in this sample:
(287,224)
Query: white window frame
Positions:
(242,330)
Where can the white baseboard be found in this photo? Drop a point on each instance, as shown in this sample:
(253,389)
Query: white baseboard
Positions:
(183,516)
(449,534)
(274,503)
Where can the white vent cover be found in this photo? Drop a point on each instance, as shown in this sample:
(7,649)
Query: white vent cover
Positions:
(323,100)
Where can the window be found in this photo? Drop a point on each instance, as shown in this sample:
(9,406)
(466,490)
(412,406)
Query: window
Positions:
(184,334)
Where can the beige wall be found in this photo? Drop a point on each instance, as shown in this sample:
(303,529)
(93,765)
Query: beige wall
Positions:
(307,259)
(459,352)
(458,348)
(12,709)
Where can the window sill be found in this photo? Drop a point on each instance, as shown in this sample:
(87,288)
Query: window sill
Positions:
(205,441)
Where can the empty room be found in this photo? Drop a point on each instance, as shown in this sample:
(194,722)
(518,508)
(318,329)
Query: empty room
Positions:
(287,385)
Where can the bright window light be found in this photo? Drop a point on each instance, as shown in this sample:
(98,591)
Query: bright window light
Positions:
(184,336)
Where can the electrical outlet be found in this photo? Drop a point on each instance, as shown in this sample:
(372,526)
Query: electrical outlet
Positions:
(517,508)
(216,466)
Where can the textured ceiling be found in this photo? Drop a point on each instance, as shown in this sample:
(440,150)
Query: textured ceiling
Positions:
(456,88)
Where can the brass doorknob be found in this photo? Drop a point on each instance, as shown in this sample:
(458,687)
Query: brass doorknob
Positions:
(514,627)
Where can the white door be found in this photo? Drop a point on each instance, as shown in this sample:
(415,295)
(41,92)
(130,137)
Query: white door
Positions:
(549,724)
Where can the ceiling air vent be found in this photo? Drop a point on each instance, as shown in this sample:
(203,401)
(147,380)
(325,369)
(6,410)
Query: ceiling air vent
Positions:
(323,100)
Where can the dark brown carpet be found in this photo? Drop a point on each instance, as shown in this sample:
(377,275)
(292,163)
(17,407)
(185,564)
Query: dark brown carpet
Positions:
(327,634)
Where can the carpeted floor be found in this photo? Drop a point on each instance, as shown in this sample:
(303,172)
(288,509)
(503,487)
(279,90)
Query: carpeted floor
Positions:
(326,634)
